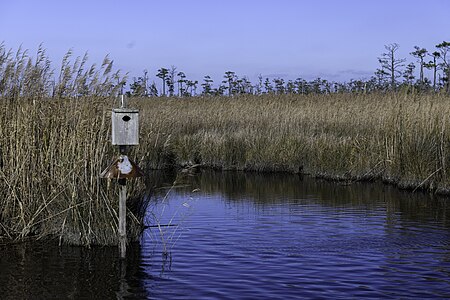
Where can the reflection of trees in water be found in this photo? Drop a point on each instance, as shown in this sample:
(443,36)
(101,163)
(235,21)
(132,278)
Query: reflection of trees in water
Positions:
(46,271)
(272,188)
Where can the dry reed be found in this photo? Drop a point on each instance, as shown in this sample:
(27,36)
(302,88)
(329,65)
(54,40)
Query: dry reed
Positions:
(52,151)
(400,138)
(51,155)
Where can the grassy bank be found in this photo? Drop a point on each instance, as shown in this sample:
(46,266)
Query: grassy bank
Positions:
(400,138)
(51,155)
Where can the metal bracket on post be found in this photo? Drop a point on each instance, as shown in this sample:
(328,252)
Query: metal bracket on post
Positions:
(123,149)
(122,102)
(125,132)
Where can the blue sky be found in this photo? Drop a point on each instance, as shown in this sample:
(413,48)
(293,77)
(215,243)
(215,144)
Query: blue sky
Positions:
(336,40)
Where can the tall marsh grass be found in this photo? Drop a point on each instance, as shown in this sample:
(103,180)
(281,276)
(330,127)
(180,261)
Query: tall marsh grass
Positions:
(27,76)
(51,155)
(400,138)
(54,142)
(52,151)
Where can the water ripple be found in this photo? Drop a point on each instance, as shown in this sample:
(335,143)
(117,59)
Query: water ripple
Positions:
(256,237)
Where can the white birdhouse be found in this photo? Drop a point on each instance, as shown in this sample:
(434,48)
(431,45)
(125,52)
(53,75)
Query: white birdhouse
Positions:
(125,126)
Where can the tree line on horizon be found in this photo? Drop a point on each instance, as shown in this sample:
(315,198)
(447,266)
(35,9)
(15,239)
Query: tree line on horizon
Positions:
(392,75)
(25,77)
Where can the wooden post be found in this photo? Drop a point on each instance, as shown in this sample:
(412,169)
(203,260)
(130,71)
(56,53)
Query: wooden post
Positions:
(123,217)
(123,210)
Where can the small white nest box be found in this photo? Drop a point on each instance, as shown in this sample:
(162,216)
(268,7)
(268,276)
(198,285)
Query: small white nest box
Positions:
(125,126)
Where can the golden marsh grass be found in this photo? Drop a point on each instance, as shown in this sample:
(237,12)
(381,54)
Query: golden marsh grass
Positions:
(402,138)
(52,151)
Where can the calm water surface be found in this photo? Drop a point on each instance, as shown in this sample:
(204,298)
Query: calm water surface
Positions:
(253,236)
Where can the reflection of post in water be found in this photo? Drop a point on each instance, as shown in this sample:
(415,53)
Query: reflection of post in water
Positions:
(129,277)
(124,288)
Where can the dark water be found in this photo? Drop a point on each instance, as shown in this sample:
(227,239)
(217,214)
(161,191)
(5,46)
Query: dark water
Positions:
(250,236)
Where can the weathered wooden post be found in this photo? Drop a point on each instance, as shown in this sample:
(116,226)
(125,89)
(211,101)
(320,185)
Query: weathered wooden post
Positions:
(125,133)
